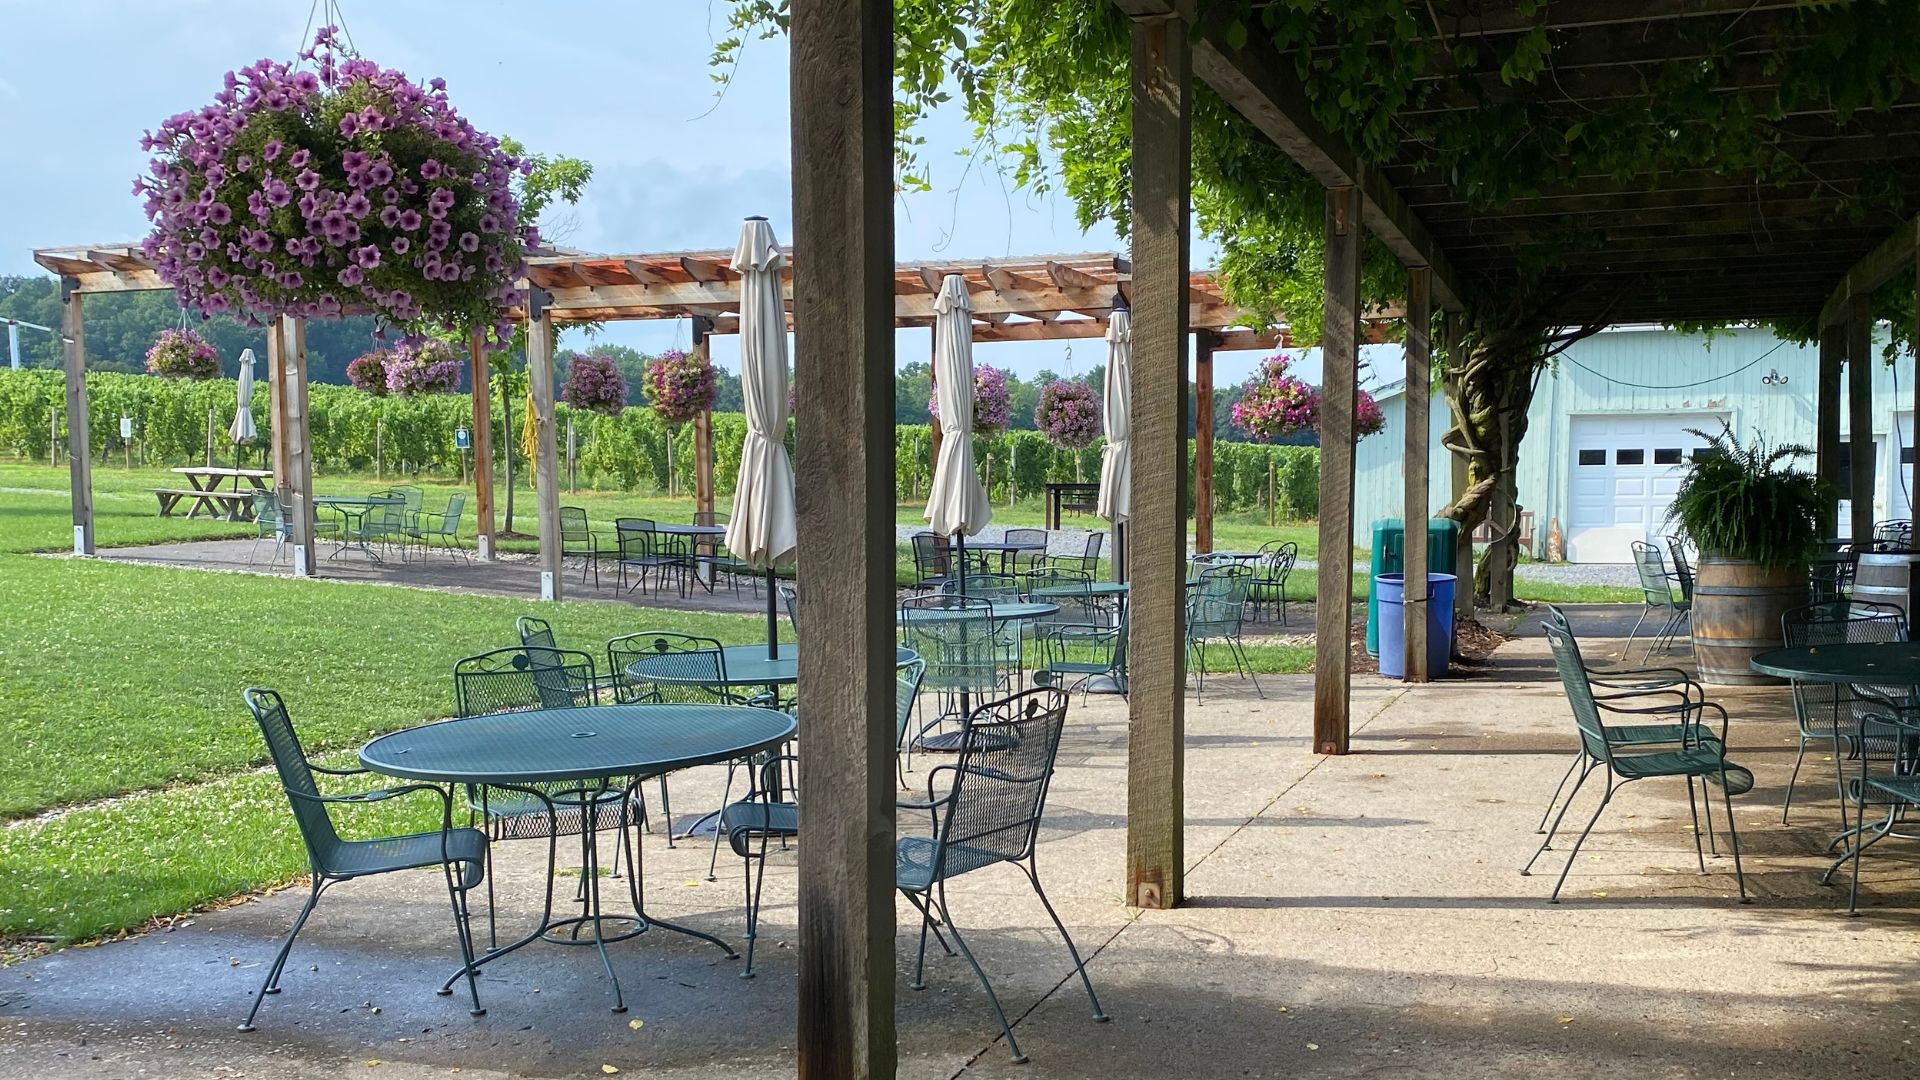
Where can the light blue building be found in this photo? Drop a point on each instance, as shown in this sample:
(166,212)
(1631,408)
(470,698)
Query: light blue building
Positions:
(1607,434)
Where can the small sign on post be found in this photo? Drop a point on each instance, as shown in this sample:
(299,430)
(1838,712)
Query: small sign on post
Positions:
(462,439)
(126,428)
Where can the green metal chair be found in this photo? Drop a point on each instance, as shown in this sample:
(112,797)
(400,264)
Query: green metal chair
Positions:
(1270,573)
(932,560)
(790,599)
(990,814)
(1032,557)
(1893,732)
(1668,697)
(1698,758)
(386,521)
(769,810)
(961,644)
(270,521)
(1216,612)
(577,538)
(1829,713)
(443,526)
(461,854)
(1088,561)
(1656,588)
(1076,656)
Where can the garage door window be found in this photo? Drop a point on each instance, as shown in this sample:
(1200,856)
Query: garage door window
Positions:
(1667,456)
(1593,457)
(1630,457)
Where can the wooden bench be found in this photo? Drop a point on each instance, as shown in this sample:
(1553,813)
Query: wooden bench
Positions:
(233,505)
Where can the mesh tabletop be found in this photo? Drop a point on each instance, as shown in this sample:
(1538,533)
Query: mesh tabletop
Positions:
(690,530)
(576,744)
(999,612)
(1877,663)
(746,665)
(1097,588)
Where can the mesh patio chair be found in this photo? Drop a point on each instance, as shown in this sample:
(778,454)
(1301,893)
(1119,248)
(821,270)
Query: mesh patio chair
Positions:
(577,538)
(1216,613)
(1682,567)
(1021,561)
(386,520)
(989,815)
(1830,713)
(998,589)
(790,599)
(442,525)
(461,854)
(1073,656)
(1895,535)
(710,552)
(1886,779)
(1667,698)
(641,553)
(961,644)
(268,522)
(1087,561)
(1699,757)
(537,633)
(769,810)
(1656,590)
(1270,573)
(932,560)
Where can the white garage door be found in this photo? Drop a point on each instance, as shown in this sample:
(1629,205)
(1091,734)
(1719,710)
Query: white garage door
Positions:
(1625,470)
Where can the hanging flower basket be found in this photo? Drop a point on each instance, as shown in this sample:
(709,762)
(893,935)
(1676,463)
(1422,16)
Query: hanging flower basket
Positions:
(1367,417)
(425,366)
(342,189)
(1276,404)
(992,405)
(680,386)
(368,372)
(1068,414)
(594,384)
(183,354)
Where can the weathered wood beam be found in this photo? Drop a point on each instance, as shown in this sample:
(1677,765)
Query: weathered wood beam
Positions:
(1067,277)
(298,441)
(546,465)
(1265,90)
(1416,457)
(73,346)
(1202,441)
(480,376)
(700,268)
(1162,92)
(931,278)
(1877,268)
(725,296)
(842,148)
(644,274)
(1340,357)
(1860,362)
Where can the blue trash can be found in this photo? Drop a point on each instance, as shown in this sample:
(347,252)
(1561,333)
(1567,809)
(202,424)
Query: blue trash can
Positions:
(1391,589)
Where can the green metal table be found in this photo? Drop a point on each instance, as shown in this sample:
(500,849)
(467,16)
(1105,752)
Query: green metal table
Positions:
(596,748)
(352,509)
(1011,612)
(1872,663)
(744,665)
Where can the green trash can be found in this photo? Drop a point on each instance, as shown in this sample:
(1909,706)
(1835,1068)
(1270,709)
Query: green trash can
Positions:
(1389,557)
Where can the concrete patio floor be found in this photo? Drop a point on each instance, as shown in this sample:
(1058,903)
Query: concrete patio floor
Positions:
(1349,917)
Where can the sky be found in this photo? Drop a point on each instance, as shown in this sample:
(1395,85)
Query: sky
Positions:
(625,85)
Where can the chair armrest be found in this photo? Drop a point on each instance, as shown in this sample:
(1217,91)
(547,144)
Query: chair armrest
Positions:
(319,768)
(1682,703)
(1640,678)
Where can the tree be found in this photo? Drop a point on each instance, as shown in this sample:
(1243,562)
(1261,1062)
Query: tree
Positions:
(1045,83)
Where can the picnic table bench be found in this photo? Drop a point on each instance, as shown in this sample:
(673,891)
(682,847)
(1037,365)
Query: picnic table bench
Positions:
(1079,498)
(216,491)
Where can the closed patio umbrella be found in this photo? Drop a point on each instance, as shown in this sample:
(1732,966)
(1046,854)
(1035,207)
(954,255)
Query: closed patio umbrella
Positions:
(1116,408)
(242,430)
(761,531)
(957,506)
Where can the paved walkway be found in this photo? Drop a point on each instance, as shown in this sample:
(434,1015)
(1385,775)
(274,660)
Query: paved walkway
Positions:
(1349,917)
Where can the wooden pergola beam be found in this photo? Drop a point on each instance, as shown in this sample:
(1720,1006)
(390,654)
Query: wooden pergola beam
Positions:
(1894,255)
(644,274)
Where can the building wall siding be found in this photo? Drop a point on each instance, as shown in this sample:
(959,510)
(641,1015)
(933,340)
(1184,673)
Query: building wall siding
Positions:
(1644,370)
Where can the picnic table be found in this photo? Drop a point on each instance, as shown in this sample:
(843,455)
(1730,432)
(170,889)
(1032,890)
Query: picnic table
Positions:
(217,491)
(1079,498)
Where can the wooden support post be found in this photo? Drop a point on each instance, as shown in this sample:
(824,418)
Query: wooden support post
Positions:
(1157,525)
(1833,351)
(289,364)
(1913,480)
(79,455)
(703,429)
(1418,402)
(546,472)
(1463,552)
(277,415)
(480,374)
(1203,341)
(1860,363)
(1340,357)
(842,95)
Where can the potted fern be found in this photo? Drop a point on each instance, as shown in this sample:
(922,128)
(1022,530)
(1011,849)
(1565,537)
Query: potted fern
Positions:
(1756,521)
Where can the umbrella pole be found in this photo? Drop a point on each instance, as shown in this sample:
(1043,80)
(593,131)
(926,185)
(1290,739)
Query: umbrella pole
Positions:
(773,622)
(960,538)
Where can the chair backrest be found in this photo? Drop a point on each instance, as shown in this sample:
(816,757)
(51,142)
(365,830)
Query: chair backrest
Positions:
(536,632)
(684,667)
(450,517)
(1655,586)
(993,588)
(1830,580)
(930,556)
(1076,606)
(1573,680)
(1007,752)
(387,511)
(519,679)
(412,496)
(635,536)
(1217,604)
(907,692)
(1895,535)
(573,523)
(955,635)
(1028,536)
(706,517)
(1682,566)
(267,516)
(790,599)
(1837,622)
(1277,558)
(296,777)
(1090,557)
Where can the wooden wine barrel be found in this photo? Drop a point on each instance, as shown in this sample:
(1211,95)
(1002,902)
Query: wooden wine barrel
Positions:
(1882,576)
(1737,606)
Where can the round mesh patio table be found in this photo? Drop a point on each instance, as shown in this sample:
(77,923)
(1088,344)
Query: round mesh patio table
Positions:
(1096,588)
(999,613)
(742,665)
(583,751)
(1873,663)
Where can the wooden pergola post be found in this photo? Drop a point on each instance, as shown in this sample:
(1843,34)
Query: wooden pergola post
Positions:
(1418,402)
(292,438)
(481,376)
(1833,351)
(546,472)
(73,340)
(703,426)
(1203,341)
(1463,553)
(1860,414)
(1157,525)
(1340,358)
(1913,580)
(842,149)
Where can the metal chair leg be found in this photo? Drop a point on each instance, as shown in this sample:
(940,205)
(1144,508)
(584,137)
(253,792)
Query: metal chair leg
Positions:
(1575,853)
(1699,852)
(463,929)
(1627,649)
(1799,755)
(271,985)
(1578,757)
(1733,837)
(992,998)
(1547,844)
(1079,965)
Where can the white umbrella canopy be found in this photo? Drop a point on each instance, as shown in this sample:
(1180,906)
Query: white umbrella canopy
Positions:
(761,531)
(1116,472)
(957,502)
(242,430)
